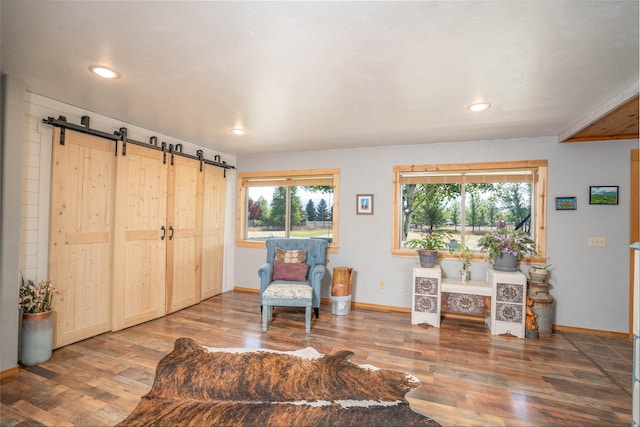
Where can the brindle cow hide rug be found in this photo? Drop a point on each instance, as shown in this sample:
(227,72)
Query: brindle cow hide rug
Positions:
(198,386)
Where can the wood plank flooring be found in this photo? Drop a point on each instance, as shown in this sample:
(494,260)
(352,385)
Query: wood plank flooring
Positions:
(468,376)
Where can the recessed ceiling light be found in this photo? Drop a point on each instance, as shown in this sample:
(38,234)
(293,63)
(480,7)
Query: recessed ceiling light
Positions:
(104,72)
(479,107)
(237,131)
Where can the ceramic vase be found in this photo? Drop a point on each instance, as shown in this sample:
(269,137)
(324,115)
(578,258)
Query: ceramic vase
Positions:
(37,338)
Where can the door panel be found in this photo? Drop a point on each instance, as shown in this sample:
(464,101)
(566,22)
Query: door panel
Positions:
(140,242)
(214,196)
(80,251)
(184,220)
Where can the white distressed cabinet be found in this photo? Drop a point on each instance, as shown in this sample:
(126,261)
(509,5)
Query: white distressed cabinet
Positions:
(425,299)
(508,302)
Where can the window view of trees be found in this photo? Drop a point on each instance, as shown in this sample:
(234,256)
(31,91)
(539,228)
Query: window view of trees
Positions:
(290,203)
(429,207)
(469,201)
(309,210)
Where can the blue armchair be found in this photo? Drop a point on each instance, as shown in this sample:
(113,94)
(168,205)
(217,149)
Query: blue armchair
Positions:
(316,258)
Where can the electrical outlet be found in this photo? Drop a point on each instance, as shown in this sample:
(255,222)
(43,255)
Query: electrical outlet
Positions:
(381,284)
(597,241)
(401,287)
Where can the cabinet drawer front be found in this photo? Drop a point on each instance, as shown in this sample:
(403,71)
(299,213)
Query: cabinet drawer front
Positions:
(426,285)
(465,303)
(426,304)
(510,292)
(511,313)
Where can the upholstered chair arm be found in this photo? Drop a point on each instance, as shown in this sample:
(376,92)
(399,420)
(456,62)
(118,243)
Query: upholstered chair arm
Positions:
(265,272)
(315,277)
(317,273)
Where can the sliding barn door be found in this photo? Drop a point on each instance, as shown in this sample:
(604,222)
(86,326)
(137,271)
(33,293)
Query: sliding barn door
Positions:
(133,236)
(214,196)
(140,237)
(80,251)
(184,219)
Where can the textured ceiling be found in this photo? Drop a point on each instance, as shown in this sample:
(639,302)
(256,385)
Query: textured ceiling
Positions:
(321,75)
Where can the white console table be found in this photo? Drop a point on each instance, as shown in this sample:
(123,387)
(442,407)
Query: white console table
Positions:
(501,300)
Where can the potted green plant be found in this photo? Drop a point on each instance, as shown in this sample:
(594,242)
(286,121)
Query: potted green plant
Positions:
(539,273)
(506,247)
(538,286)
(465,256)
(35,303)
(429,245)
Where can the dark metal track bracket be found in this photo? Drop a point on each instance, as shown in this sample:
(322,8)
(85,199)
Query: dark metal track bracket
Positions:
(121,135)
(61,122)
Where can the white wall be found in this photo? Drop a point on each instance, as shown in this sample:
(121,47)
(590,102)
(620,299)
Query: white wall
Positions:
(10,166)
(591,285)
(35,160)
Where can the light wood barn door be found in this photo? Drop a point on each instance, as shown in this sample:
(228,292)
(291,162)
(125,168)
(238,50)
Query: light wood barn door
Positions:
(139,277)
(214,196)
(80,251)
(184,232)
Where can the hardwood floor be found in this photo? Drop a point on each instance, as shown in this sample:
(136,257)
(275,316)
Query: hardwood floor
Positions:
(468,376)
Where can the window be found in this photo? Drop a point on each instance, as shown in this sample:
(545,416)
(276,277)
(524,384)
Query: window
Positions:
(470,200)
(295,204)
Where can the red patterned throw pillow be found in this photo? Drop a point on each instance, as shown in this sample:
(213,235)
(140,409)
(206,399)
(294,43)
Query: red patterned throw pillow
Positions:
(296,272)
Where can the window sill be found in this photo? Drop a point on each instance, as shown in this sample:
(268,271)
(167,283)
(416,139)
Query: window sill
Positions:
(332,248)
(412,253)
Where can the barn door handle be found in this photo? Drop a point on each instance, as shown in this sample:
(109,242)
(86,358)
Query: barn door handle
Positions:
(171,230)
(164,232)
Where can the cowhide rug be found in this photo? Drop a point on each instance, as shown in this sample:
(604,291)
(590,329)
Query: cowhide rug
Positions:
(199,386)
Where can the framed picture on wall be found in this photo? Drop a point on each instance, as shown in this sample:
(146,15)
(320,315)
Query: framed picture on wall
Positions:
(566,204)
(364,204)
(603,195)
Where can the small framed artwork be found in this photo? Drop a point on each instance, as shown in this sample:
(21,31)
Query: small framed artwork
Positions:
(364,204)
(566,204)
(603,195)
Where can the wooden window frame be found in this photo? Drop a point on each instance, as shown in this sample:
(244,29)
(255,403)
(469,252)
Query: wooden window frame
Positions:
(539,190)
(285,178)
